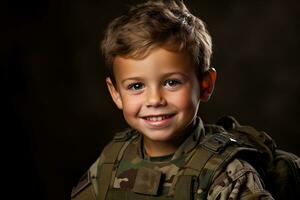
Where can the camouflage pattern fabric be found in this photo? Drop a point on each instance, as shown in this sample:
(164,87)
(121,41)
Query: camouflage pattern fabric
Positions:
(139,176)
(136,164)
(130,168)
(239,181)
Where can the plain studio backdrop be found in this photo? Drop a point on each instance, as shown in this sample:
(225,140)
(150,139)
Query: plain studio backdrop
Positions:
(56,109)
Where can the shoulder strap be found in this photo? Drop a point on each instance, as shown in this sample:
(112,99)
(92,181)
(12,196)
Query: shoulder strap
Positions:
(208,160)
(111,155)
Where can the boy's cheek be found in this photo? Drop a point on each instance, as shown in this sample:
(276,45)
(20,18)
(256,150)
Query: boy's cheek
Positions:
(185,104)
(131,104)
(185,98)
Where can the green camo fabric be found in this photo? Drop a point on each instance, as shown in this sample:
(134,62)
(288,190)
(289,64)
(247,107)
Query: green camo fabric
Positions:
(124,171)
(152,176)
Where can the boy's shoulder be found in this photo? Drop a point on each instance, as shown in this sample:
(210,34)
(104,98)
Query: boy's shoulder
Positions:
(88,185)
(279,170)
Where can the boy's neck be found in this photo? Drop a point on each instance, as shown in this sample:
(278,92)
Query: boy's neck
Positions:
(158,149)
(163,148)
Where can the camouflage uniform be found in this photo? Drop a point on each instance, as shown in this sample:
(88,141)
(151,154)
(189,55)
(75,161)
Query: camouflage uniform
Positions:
(139,176)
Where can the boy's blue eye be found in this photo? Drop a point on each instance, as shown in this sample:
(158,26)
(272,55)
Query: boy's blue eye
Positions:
(172,83)
(135,86)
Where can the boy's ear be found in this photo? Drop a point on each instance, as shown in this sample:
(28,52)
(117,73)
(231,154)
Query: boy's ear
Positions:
(207,84)
(115,95)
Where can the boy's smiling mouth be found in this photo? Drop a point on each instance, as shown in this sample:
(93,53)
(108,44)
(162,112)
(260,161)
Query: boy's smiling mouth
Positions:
(158,121)
(158,117)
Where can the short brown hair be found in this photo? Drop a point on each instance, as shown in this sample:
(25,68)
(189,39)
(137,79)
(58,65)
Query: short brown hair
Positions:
(156,23)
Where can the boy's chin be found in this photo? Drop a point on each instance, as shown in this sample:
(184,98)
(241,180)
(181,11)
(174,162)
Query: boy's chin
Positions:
(160,136)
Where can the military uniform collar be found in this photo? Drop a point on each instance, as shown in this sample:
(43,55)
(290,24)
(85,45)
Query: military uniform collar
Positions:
(192,140)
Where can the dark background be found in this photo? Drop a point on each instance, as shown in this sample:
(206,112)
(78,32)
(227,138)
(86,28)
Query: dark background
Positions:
(56,112)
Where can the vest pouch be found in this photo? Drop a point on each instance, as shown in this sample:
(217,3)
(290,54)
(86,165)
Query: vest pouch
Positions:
(117,194)
(185,190)
(145,187)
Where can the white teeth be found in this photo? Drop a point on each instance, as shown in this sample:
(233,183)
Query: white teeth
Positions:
(154,119)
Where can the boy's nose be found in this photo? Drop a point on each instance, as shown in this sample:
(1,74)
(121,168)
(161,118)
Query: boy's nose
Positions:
(155,98)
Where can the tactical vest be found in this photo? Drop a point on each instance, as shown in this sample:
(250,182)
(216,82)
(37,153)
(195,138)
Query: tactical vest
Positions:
(206,161)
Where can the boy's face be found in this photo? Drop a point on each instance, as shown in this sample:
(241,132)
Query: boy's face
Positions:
(159,94)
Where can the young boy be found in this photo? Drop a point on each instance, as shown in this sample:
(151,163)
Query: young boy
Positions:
(158,56)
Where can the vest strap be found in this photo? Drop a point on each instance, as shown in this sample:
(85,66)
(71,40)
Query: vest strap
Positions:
(112,154)
(185,187)
(193,167)
(207,161)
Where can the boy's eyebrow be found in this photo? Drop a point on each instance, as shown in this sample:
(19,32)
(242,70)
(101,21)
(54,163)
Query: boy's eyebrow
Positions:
(132,79)
(175,73)
(137,78)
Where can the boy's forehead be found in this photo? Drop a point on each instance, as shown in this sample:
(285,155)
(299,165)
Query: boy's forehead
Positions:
(158,60)
(158,55)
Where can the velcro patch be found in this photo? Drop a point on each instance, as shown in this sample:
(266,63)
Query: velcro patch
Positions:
(147,181)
